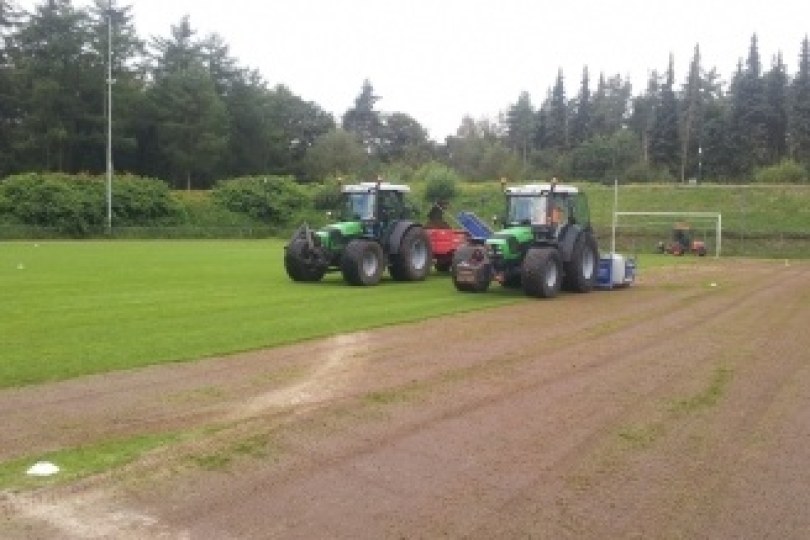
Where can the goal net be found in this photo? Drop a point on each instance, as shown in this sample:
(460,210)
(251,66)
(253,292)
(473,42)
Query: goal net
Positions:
(641,232)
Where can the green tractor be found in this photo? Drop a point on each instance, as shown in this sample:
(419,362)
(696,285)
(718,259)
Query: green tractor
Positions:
(374,230)
(547,244)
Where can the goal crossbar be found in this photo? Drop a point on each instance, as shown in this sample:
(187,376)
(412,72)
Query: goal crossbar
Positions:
(717,216)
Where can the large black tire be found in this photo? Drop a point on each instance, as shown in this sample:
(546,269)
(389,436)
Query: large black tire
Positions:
(362,262)
(471,269)
(303,263)
(581,270)
(541,274)
(414,256)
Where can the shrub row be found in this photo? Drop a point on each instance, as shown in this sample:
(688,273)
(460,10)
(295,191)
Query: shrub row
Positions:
(76,204)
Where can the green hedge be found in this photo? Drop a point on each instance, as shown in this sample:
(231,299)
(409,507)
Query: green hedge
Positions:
(269,199)
(76,204)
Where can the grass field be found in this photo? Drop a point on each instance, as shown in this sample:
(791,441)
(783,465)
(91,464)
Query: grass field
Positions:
(75,308)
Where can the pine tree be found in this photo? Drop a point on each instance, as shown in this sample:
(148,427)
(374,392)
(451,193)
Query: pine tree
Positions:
(642,119)
(127,54)
(557,115)
(692,116)
(10,111)
(363,121)
(749,114)
(776,87)
(799,120)
(581,121)
(521,126)
(53,66)
(664,141)
(185,122)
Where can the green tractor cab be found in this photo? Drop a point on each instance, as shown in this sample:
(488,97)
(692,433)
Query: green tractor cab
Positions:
(546,244)
(374,231)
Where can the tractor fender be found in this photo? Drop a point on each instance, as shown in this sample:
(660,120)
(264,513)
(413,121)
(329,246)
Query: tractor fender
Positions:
(568,237)
(397,232)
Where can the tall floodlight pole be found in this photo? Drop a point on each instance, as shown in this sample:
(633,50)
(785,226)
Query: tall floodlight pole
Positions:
(109,118)
(614,224)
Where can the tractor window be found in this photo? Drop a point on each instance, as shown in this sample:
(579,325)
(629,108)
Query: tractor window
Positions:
(560,210)
(358,206)
(391,205)
(527,209)
(582,214)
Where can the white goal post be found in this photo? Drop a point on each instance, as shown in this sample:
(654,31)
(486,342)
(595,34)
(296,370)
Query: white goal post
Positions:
(715,216)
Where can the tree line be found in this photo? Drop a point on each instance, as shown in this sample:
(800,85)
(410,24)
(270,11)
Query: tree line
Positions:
(184,110)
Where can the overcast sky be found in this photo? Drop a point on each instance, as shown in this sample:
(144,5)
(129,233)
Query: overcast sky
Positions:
(438,60)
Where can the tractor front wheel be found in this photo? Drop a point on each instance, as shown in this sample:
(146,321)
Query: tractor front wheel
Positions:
(541,272)
(471,269)
(414,256)
(362,263)
(302,262)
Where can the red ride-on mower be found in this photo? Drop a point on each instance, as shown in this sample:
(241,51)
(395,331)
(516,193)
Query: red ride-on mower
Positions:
(682,242)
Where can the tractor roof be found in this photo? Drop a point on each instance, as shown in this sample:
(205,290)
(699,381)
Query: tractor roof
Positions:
(539,189)
(366,187)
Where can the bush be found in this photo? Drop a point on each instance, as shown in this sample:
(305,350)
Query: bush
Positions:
(140,201)
(441,182)
(327,195)
(786,171)
(271,199)
(77,204)
(643,172)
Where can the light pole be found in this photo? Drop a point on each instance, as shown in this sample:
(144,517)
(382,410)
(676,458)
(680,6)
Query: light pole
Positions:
(109,118)
(700,164)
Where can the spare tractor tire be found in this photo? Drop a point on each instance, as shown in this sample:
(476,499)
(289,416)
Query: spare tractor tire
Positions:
(303,263)
(362,262)
(581,270)
(541,272)
(414,256)
(471,269)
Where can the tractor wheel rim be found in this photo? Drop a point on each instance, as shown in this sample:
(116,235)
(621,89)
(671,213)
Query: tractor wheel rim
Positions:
(588,264)
(551,275)
(369,263)
(419,255)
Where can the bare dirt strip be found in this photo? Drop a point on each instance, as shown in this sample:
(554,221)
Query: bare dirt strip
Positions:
(679,408)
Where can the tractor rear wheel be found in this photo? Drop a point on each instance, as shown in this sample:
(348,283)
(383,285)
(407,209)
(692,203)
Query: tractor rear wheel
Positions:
(362,263)
(303,263)
(413,259)
(542,272)
(580,272)
(471,269)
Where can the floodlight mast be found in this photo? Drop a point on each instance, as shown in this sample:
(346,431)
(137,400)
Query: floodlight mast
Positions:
(109,117)
(615,210)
